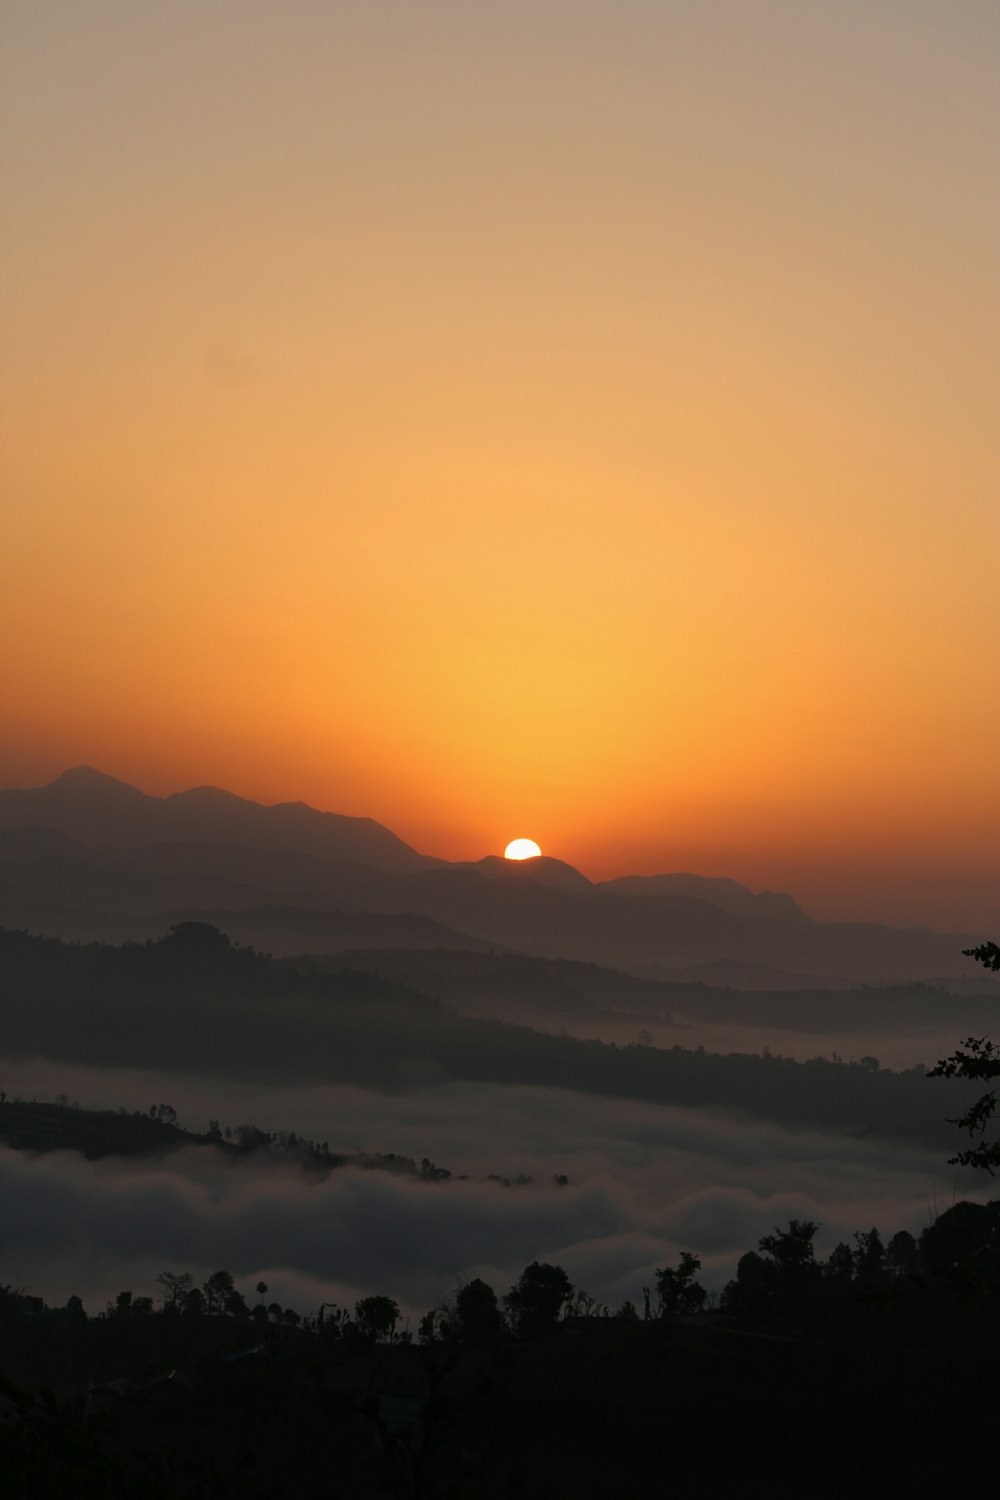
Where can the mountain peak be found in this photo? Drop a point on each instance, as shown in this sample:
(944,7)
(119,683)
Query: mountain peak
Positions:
(87,779)
(543,869)
(207,795)
(95,808)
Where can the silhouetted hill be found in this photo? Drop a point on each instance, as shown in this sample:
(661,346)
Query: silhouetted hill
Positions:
(554,921)
(206,850)
(769,906)
(287,931)
(42,867)
(809,1384)
(739,974)
(194,1003)
(98,809)
(38,1128)
(506,986)
(96,886)
(251,1403)
(543,870)
(512,986)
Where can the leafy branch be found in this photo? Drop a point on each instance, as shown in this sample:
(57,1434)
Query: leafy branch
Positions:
(979,1061)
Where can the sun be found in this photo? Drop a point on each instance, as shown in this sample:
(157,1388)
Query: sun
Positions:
(522,849)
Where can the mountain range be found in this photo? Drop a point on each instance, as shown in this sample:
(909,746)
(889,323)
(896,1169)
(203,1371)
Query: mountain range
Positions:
(89,856)
(98,809)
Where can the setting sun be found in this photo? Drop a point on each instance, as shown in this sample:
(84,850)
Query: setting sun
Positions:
(522,849)
(420,420)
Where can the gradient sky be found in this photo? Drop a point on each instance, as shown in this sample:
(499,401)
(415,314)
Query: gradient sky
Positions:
(566,419)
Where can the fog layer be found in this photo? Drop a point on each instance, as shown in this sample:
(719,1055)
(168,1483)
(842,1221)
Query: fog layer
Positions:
(645,1181)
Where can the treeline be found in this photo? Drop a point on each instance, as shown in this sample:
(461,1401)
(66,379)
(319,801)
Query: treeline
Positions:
(781,1285)
(808,1379)
(35,1127)
(193,1001)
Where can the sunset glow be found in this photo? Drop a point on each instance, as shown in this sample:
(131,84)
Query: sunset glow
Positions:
(472,417)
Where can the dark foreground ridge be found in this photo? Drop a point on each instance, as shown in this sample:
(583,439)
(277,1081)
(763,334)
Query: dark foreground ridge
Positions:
(872,1373)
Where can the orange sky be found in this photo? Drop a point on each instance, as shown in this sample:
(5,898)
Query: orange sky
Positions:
(573,420)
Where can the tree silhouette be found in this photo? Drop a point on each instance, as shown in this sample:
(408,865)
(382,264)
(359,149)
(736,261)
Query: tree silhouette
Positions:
(176,1286)
(870,1256)
(840,1264)
(965,1237)
(536,1302)
(377,1317)
(217,1289)
(791,1249)
(987,954)
(477,1313)
(677,1288)
(197,939)
(753,1288)
(902,1255)
(782,1275)
(234,1305)
(194,1302)
(980,1061)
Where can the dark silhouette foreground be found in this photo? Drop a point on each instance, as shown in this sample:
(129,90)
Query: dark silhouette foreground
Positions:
(811,1379)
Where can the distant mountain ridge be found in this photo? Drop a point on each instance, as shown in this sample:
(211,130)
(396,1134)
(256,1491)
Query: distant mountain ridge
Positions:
(89,856)
(776,906)
(98,809)
(542,870)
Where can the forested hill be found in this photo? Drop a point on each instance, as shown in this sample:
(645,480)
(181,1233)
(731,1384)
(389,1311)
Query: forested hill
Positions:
(194,1003)
(39,1128)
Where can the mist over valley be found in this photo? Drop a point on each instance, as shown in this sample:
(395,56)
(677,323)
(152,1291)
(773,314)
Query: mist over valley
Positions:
(677,1109)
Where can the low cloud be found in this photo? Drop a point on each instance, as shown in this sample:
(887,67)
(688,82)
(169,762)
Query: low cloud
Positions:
(645,1182)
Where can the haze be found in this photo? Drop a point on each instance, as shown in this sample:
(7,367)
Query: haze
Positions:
(573,418)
